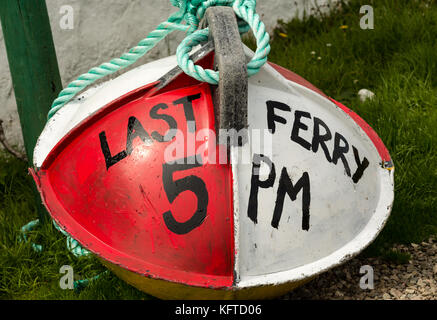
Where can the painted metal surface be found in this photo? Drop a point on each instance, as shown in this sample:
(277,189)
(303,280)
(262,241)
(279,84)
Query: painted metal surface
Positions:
(323,192)
(188,229)
(126,201)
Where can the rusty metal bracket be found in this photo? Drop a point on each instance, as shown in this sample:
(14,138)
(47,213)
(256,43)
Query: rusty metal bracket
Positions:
(230,97)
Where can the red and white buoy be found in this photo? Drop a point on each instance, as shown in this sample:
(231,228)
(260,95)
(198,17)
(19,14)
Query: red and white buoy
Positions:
(134,171)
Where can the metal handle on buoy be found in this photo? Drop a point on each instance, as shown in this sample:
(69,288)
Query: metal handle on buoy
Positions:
(230,98)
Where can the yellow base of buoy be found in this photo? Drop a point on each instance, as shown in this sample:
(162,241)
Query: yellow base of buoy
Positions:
(174,291)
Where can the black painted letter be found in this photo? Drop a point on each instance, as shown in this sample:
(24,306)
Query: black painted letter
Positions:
(299,125)
(319,139)
(252,208)
(272,117)
(172,124)
(187,102)
(109,159)
(362,165)
(340,151)
(136,129)
(286,186)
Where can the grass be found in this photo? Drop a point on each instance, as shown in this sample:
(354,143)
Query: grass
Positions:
(396,256)
(397,61)
(26,274)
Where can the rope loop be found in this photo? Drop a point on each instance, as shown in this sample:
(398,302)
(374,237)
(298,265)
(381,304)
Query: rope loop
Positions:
(245,11)
(187,19)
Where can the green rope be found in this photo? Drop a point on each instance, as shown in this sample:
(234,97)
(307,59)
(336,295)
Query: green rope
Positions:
(248,15)
(80,284)
(72,245)
(27,228)
(191,12)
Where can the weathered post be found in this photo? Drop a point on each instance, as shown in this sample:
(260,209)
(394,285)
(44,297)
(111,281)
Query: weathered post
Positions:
(33,65)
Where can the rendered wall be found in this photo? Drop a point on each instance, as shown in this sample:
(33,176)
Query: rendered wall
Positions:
(103,30)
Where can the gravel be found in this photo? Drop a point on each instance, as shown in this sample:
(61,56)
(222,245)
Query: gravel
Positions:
(415,280)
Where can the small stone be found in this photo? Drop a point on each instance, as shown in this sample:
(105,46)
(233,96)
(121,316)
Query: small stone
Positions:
(409,291)
(415,246)
(339,293)
(435,269)
(395,293)
(365,94)
(386,296)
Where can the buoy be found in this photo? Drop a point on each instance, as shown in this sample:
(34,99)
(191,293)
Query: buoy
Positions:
(188,190)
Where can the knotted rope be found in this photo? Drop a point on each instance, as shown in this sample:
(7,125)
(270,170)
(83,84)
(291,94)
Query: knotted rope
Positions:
(187,19)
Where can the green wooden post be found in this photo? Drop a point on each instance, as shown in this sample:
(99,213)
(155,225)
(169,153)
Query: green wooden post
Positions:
(33,65)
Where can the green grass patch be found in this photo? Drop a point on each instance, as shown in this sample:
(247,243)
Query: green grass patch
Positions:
(397,61)
(397,257)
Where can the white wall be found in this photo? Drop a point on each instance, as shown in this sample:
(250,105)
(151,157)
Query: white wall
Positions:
(104,30)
